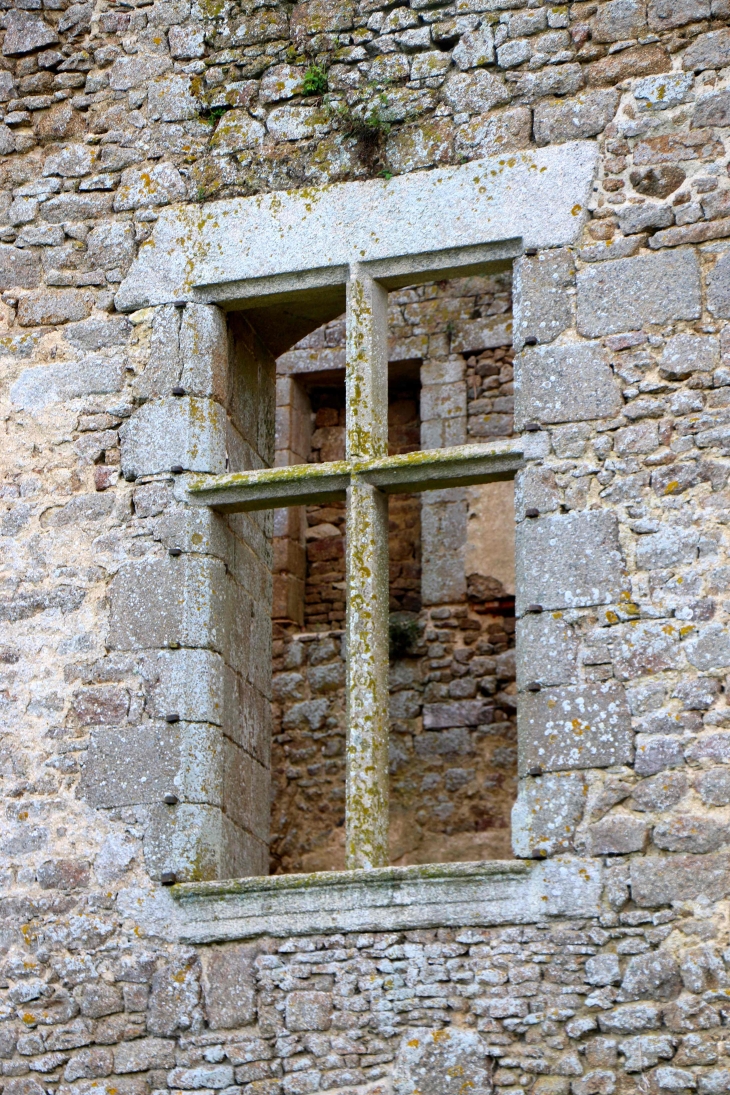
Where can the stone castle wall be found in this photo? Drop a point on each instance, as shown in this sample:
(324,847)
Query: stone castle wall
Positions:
(111,112)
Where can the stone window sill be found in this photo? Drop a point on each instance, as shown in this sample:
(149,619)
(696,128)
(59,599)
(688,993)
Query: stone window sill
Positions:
(387,899)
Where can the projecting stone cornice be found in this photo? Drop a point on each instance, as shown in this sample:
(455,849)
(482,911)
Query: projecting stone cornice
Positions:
(243,248)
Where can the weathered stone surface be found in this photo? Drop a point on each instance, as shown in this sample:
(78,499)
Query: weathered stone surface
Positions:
(547,650)
(625,294)
(659,880)
(661,792)
(671,546)
(567,561)
(137,70)
(18,269)
(690,833)
(187,431)
(651,977)
(542,306)
(576,726)
(242,238)
(567,119)
(475,48)
(308,1011)
(617,834)
(237,130)
(204,352)
(229,987)
(685,354)
(495,132)
(43,307)
(143,1054)
(718,288)
(174,994)
(714,787)
(111,246)
(143,187)
(171,99)
(26,32)
(564,384)
(428,1059)
(707,51)
(546,813)
(37,387)
(645,647)
(638,218)
(709,648)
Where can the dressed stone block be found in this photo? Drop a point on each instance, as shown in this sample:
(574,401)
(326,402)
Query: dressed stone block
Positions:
(565,384)
(542,306)
(626,294)
(547,650)
(546,813)
(575,726)
(184,431)
(569,561)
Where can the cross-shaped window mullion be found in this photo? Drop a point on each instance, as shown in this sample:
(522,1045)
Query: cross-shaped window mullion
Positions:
(365,478)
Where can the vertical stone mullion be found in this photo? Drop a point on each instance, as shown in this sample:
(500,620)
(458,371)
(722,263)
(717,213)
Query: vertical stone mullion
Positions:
(367,676)
(367,576)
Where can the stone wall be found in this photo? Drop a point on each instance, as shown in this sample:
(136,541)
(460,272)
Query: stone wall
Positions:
(112,112)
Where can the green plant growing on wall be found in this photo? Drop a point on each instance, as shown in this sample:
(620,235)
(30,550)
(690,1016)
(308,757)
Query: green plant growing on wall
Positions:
(403,634)
(315,80)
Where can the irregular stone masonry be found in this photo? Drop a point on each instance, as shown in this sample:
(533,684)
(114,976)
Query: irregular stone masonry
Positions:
(112,112)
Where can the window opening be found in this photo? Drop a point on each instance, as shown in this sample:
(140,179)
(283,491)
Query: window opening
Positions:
(369,478)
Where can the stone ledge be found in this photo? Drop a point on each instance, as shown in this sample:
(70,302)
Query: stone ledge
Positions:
(387,899)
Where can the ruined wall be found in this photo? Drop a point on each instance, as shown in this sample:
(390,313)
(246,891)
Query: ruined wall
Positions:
(114,110)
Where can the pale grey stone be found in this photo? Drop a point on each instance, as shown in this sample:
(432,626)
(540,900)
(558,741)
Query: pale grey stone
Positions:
(661,792)
(575,726)
(141,187)
(18,268)
(671,546)
(603,969)
(111,246)
(625,294)
(535,487)
(143,1054)
(37,387)
(718,287)
(619,20)
(715,1082)
(690,833)
(137,70)
(195,684)
(546,813)
(714,787)
(45,307)
(495,132)
(514,52)
(474,48)
(242,238)
(698,694)
(185,431)
(26,32)
(162,372)
(186,42)
(658,880)
(236,131)
(630,1018)
(76,207)
(308,1011)
(82,508)
(161,601)
(443,532)
(564,384)
(443,716)
(204,351)
(638,218)
(655,754)
(709,648)
(428,1059)
(686,353)
(616,834)
(210,1077)
(706,51)
(646,1050)
(645,647)
(664,91)
(131,765)
(170,99)
(298,123)
(712,110)
(71,162)
(569,561)
(542,307)
(586,115)
(547,650)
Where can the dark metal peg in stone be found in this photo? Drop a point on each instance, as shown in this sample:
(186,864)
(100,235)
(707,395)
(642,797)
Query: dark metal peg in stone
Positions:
(532,512)
(536,770)
(532,427)
(172,717)
(177,390)
(530,341)
(168,878)
(175,552)
(534,608)
(534,686)
(176,469)
(170,799)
